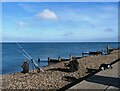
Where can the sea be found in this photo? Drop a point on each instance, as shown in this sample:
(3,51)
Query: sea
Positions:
(12,57)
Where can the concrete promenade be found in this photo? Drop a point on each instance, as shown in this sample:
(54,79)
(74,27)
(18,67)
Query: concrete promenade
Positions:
(106,80)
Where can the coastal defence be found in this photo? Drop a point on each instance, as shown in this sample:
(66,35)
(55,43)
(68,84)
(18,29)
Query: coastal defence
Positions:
(84,54)
(57,76)
(59,59)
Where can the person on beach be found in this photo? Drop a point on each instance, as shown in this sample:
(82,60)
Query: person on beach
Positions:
(73,65)
(103,52)
(108,47)
(38,61)
(25,67)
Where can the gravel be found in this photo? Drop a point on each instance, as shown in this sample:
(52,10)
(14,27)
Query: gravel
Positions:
(55,78)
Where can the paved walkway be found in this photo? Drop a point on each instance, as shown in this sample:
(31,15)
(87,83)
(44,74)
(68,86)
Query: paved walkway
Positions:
(108,79)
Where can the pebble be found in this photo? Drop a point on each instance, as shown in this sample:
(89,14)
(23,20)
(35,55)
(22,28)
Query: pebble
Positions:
(54,79)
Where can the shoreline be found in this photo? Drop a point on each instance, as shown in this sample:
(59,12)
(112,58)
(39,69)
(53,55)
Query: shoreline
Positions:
(56,75)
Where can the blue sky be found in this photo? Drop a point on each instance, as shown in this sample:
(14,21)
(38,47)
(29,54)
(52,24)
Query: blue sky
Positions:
(59,22)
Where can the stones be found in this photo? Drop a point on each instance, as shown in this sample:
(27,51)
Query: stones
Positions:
(52,79)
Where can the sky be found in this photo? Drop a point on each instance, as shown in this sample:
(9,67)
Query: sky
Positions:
(60,0)
(59,22)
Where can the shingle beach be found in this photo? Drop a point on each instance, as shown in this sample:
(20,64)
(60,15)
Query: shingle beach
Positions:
(54,75)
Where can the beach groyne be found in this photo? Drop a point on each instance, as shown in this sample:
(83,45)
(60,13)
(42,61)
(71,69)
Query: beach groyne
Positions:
(59,59)
(57,75)
(83,54)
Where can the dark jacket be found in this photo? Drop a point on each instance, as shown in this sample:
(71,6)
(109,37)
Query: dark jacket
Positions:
(74,65)
(25,67)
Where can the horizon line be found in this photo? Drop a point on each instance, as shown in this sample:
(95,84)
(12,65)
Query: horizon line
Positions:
(55,41)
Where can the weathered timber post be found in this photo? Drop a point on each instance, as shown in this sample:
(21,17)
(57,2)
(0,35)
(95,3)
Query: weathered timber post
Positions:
(48,59)
(71,58)
(59,59)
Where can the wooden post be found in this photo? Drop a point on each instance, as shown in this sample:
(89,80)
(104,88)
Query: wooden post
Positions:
(48,59)
(59,59)
(71,58)
(82,54)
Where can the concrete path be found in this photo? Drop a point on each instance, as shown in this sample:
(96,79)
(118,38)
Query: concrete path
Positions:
(106,80)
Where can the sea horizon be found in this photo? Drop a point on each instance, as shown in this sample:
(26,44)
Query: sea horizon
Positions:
(65,42)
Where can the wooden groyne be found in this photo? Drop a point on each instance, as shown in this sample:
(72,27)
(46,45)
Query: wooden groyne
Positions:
(56,60)
(92,53)
(84,54)
(59,59)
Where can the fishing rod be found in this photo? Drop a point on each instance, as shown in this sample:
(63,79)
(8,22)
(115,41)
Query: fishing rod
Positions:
(23,50)
(25,54)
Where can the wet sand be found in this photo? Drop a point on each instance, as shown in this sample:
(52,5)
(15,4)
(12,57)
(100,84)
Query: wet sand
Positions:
(56,75)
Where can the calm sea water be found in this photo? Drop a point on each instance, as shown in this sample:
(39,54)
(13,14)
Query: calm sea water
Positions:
(12,59)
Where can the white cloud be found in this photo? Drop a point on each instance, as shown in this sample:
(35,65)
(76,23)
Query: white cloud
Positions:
(47,14)
(21,24)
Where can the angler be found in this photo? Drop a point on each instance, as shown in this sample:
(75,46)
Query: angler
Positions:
(25,54)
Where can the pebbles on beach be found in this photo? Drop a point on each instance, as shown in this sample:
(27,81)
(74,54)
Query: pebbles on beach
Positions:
(53,77)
